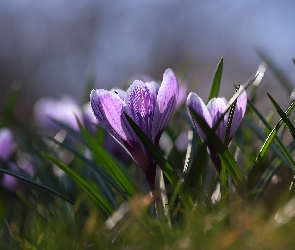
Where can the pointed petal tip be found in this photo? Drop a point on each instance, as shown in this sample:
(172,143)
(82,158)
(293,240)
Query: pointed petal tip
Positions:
(169,73)
(166,100)
(192,98)
(195,103)
(93,92)
(137,83)
(190,94)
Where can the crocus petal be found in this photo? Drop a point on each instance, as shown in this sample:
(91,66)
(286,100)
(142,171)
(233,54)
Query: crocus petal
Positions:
(108,110)
(140,102)
(121,93)
(166,101)
(153,88)
(68,114)
(46,110)
(6,143)
(216,108)
(195,103)
(240,110)
(8,181)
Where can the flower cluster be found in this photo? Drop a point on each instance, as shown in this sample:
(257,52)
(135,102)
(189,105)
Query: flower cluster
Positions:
(151,106)
(48,110)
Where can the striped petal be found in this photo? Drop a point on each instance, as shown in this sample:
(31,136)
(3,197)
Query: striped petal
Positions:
(195,103)
(216,107)
(154,89)
(108,109)
(140,102)
(166,101)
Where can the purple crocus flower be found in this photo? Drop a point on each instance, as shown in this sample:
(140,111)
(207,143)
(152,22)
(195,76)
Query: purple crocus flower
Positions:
(211,114)
(6,150)
(149,105)
(64,110)
(8,181)
(7,147)
(6,144)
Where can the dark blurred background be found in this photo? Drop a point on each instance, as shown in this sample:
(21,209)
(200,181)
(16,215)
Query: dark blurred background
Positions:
(53,47)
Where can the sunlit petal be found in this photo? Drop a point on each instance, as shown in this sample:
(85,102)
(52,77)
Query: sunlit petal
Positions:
(240,110)
(166,101)
(6,143)
(154,89)
(107,108)
(139,100)
(195,103)
(216,108)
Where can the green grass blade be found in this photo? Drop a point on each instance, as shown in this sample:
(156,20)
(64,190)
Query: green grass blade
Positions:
(273,132)
(227,159)
(40,185)
(264,180)
(105,160)
(102,178)
(274,148)
(216,81)
(155,152)
(283,116)
(91,164)
(291,146)
(175,193)
(67,128)
(196,167)
(88,188)
(269,140)
(167,169)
